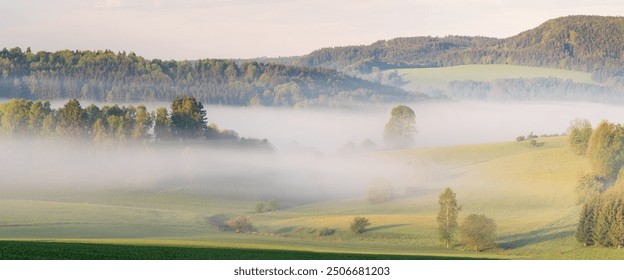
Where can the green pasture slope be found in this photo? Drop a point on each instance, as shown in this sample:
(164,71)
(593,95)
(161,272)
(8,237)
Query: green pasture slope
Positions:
(528,190)
(421,78)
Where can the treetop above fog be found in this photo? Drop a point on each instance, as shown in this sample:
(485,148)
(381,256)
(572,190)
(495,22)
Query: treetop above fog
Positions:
(185,121)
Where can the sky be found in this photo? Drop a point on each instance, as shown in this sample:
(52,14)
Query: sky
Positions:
(193,29)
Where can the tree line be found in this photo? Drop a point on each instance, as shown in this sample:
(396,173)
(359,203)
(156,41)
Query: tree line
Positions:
(601,221)
(185,121)
(601,193)
(531,89)
(126,77)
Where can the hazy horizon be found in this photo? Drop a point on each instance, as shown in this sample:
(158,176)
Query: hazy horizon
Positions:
(247,29)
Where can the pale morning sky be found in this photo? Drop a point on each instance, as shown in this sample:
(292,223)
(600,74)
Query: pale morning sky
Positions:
(192,29)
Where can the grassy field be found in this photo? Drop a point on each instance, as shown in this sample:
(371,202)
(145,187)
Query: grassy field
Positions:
(421,78)
(29,250)
(528,190)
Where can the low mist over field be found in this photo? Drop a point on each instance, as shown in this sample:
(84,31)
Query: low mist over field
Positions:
(309,160)
(53,165)
(438,124)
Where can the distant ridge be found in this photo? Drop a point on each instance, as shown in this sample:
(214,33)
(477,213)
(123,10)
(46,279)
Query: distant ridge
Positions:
(126,77)
(585,43)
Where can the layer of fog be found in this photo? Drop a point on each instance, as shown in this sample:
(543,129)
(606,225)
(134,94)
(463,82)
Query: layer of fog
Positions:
(31,166)
(438,124)
(306,164)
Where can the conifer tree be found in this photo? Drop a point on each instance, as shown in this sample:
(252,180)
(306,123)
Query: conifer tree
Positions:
(604,221)
(587,224)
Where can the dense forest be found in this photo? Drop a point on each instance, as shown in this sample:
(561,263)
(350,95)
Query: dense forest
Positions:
(126,77)
(395,53)
(585,43)
(111,125)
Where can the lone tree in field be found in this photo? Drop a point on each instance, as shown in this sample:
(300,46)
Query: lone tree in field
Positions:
(478,231)
(359,224)
(447,217)
(579,133)
(400,129)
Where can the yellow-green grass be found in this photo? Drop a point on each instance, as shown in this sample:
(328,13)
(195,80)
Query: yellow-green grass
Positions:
(421,78)
(528,190)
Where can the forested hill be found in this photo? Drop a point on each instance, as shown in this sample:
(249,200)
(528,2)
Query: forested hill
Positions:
(122,77)
(586,43)
(395,53)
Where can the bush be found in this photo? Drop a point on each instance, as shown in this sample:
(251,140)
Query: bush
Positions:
(240,224)
(589,186)
(478,231)
(324,231)
(379,191)
(534,143)
(359,225)
(520,138)
(260,207)
(273,205)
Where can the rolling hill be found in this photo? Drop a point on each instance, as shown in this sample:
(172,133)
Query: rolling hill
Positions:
(583,43)
(528,190)
(126,77)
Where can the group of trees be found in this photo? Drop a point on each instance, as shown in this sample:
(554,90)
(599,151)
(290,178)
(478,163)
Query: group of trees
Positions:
(477,231)
(601,193)
(601,221)
(120,77)
(578,135)
(20,118)
(603,146)
(605,149)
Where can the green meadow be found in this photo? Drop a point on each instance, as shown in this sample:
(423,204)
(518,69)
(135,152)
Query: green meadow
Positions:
(527,190)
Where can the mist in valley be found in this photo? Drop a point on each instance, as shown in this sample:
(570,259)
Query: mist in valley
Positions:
(308,163)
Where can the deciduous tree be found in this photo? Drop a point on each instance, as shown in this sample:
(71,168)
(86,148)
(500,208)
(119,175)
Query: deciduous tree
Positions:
(478,231)
(579,133)
(400,129)
(447,216)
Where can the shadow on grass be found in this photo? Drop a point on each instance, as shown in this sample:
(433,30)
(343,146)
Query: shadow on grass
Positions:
(514,241)
(285,230)
(33,250)
(384,227)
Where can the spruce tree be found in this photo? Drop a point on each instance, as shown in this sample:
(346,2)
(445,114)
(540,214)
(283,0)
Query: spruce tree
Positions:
(616,232)
(587,224)
(604,220)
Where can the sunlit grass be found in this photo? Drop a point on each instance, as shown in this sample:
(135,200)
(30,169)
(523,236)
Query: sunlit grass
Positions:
(528,190)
